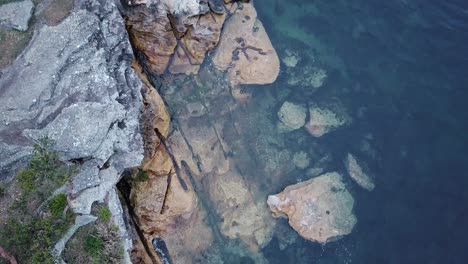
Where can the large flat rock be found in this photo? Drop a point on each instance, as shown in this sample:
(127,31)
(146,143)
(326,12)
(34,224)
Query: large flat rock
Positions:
(319,209)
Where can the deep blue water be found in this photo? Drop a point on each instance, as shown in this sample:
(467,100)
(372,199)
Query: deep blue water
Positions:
(401,70)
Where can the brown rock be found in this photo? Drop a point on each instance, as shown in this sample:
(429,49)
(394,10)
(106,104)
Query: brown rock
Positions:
(165,204)
(319,209)
(243,218)
(203,35)
(245,50)
(151,35)
(181,62)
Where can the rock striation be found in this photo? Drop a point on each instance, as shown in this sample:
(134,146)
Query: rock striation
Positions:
(319,209)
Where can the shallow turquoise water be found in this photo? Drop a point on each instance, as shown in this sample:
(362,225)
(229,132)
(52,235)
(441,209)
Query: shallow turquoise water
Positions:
(399,68)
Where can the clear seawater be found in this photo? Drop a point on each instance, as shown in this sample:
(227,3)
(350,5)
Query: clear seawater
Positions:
(400,68)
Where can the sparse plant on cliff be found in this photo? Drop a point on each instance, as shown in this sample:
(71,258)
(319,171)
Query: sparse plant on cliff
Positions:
(98,242)
(30,231)
(104,214)
(45,171)
(57,205)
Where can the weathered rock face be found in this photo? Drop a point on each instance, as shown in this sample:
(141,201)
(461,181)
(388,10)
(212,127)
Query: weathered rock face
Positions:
(79,90)
(156,28)
(245,51)
(319,209)
(165,205)
(87,100)
(356,172)
(16,15)
(176,36)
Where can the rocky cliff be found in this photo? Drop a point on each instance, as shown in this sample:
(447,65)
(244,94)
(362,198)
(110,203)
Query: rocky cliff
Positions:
(78,83)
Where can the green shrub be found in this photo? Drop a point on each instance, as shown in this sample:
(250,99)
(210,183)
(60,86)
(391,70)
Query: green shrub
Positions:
(28,234)
(93,245)
(45,171)
(26,178)
(141,176)
(57,204)
(104,214)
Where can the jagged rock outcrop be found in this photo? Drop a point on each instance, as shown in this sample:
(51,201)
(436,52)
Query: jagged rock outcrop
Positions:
(177,35)
(319,209)
(156,28)
(74,84)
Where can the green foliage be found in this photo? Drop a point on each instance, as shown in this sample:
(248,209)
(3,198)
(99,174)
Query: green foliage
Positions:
(32,238)
(93,246)
(45,172)
(98,242)
(57,204)
(141,176)
(28,233)
(104,214)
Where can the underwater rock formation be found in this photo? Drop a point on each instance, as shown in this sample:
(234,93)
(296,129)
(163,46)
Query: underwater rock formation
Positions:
(357,173)
(301,160)
(165,204)
(245,50)
(319,209)
(324,120)
(292,116)
(243,218)
(16,15)
(308,76)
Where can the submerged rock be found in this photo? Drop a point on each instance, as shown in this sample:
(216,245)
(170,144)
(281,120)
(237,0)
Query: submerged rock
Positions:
(245,50)
(291,59)
(16,15)
(324,120)
(301,160)
(243,218)
(308,76)
(292,116)
(357,173)
(319,209)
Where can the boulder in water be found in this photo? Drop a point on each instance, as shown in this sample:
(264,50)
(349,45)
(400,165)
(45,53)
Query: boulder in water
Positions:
(319,209)
(357,173)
